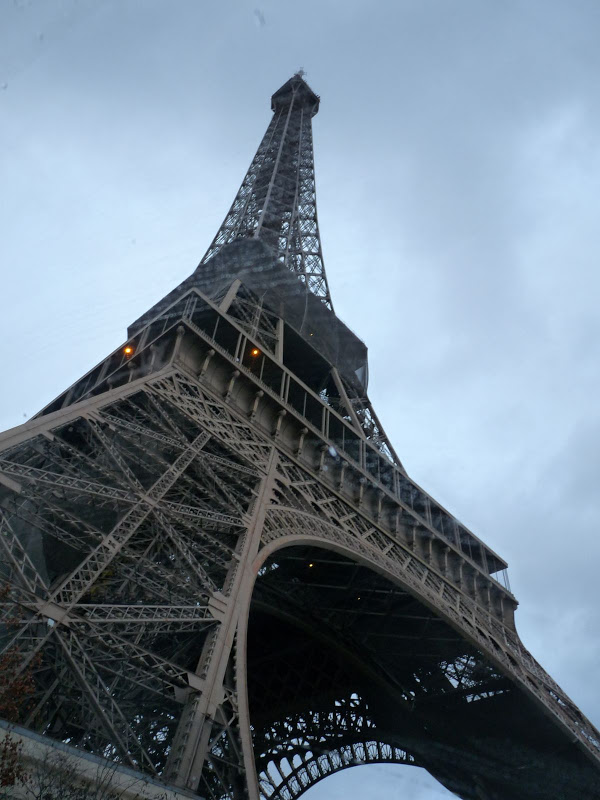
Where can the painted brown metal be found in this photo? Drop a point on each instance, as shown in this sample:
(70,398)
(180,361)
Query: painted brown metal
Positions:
(219,570)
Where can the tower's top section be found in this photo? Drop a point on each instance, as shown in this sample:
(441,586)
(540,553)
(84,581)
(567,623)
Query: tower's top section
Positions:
(298,91)
(276,202)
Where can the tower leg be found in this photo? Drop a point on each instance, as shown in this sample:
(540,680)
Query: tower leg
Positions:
(213,734)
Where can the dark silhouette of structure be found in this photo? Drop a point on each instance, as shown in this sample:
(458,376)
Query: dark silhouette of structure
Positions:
(220,568)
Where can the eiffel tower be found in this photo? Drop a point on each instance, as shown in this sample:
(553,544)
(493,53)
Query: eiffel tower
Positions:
(217,571)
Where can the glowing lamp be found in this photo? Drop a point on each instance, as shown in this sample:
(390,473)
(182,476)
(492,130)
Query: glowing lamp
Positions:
(255,351)
(128,350)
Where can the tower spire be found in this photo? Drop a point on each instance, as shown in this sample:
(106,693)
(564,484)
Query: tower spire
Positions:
(277,201)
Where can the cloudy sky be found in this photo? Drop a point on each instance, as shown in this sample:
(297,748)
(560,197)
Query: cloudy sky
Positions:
(458,176)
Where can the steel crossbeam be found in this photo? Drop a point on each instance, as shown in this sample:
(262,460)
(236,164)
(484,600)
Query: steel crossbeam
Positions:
(66,482)
(143,614)
(85,574)
(152,670)
(179,509)
(106,708)
(188,556)
(26,572)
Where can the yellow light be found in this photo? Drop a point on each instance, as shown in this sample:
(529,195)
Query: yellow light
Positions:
(311,565)
(128,350)
(255,351)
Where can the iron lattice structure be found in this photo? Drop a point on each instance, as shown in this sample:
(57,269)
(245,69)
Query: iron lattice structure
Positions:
(277,199)
(218,571)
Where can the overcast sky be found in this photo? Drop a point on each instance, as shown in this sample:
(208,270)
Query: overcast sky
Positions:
(458,177)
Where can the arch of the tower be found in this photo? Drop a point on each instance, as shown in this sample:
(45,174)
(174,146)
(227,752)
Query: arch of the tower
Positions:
(345,667)
(307,690)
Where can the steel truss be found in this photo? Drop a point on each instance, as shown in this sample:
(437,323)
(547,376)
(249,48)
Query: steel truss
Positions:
(132,536)
(277,199)
(218,572)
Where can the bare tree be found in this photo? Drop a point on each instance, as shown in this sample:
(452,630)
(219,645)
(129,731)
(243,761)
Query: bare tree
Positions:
(58,776)
(16,690)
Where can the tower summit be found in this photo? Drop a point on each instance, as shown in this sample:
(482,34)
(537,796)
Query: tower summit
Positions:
(217,572)
(276,202)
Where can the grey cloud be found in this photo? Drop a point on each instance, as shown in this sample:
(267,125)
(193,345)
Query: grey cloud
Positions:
(458,170)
